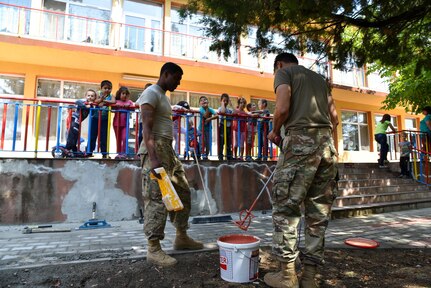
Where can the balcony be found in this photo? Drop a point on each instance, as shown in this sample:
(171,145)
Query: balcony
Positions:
(95,32)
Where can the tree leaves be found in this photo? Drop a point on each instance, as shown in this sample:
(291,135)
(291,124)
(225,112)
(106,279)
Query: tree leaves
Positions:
(393,34)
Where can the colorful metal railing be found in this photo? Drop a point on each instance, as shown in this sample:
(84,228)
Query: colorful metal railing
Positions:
(420,152)
(39,128)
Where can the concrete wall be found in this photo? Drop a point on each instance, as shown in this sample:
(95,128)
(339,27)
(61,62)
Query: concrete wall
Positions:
(58,190)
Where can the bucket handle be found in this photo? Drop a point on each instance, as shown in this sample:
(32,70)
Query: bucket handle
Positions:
(236,250)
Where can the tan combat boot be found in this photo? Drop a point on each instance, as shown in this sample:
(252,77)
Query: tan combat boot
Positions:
(307,279)
(184,242)
(157,256)
(286,278)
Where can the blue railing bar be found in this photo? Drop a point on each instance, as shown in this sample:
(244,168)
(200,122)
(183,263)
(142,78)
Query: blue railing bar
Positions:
(15,126)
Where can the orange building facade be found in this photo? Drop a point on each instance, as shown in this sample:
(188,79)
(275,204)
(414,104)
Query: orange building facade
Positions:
(57,49)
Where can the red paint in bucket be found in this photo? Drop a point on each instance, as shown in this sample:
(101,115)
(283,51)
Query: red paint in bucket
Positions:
(238,239)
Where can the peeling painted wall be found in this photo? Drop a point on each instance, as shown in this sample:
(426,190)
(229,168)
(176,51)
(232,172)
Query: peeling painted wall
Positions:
(58,190)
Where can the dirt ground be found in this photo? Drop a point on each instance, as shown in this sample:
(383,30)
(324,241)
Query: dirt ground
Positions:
(348,268)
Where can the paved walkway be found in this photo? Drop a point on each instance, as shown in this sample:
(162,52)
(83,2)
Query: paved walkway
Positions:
(405,229)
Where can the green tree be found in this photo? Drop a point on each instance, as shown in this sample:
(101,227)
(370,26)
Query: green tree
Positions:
(408,88)
(394,34)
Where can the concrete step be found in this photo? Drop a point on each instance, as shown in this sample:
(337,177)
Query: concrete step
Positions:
(376,208)
(366,189)
(373,182)
(381,198)
(382,189)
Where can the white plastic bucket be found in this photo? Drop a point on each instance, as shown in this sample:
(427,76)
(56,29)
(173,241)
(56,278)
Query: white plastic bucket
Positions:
(239,258)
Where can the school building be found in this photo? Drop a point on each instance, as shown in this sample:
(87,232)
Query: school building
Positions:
(52,51)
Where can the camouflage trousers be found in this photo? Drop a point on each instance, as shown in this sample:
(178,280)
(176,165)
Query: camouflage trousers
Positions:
(305,175)
(155,213)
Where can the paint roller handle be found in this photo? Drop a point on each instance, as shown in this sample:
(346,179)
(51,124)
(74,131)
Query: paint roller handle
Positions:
(93,214)
(37,226)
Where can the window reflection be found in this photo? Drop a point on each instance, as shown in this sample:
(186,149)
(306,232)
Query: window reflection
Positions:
(355,131)
(142,30)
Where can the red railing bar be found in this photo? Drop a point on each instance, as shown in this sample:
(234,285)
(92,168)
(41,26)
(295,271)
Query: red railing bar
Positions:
(3,128)
(137,133)
(27,115)
(99,124)
(79,130)
(48,127)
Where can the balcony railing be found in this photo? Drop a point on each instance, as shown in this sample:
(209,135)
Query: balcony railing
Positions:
(69,28)
(39,128)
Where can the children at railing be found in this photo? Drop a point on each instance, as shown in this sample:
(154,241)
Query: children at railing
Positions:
(262,130)
(121,119)
(207,114)
(178,112)
(80,114)
(239,129)
(225,121)
(192,141)
(405,149)
(251,130)
(101,115)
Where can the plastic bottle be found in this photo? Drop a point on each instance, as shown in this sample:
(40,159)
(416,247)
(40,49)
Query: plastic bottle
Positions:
(169,195)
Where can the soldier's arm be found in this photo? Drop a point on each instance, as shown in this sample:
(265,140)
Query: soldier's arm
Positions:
(282,107)
(147,112)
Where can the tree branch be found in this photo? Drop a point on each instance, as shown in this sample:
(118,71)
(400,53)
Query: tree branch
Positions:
(415,13)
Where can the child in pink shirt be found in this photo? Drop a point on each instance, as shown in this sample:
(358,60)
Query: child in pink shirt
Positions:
(239,129)
(121,118)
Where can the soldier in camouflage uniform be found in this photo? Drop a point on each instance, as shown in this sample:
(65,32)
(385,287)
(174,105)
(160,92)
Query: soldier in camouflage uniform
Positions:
(306,170)
(156,151)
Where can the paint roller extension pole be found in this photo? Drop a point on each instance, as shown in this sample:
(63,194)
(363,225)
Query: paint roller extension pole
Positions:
(261,191)
(202,179)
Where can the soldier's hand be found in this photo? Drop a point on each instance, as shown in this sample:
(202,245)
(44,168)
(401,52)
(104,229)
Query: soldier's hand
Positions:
(274,138)
(155,174)
(155,164)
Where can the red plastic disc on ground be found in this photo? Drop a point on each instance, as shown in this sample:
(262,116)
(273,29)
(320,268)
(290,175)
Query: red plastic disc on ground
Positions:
(362,243)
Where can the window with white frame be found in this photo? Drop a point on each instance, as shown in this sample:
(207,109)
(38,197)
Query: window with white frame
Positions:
(410,123)
(377,82)
(61,89)
(316,63)
(15,19)
(143,26)
(188,40)
(248,59)
(355,131)
(187,37)
(11,85)
(355,77)
(86,20)
(54,20)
